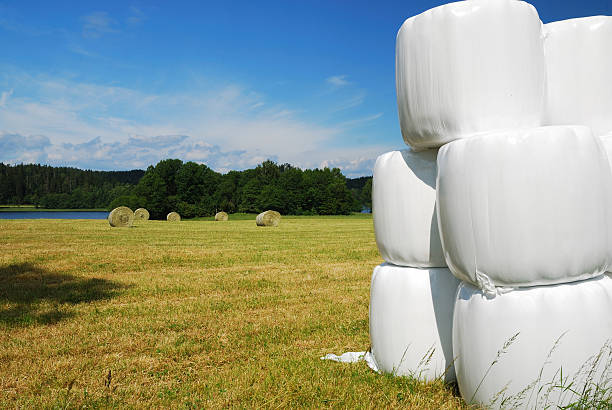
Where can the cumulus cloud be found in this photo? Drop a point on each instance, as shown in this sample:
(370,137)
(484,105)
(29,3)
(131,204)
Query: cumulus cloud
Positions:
(140,152)
(353,167)
(110,127)
(135,152)
(17,148)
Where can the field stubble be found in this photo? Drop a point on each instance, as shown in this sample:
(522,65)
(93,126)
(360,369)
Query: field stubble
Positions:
(194,314)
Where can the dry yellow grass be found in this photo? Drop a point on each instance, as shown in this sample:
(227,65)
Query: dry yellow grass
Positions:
(192,315)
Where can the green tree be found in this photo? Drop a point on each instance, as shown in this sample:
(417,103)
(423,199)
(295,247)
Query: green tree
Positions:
(153,188)
(366,194)
(167,170)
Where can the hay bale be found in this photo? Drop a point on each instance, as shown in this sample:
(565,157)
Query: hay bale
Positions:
(221,216)
(141,214)
(121,217)
(173,217)
(268,218)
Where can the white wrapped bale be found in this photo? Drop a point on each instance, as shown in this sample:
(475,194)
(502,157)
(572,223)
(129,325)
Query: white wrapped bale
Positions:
(514,346)
(579,70)
(469,67)
(606,142)
(411,313)
(524,207)
(404,208)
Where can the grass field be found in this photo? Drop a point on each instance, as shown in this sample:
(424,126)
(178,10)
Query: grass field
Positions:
(191,315)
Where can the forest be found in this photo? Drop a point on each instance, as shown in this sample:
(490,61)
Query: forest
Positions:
(189,188)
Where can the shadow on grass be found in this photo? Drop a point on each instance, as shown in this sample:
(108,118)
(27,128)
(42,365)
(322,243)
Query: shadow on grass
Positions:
(24,288)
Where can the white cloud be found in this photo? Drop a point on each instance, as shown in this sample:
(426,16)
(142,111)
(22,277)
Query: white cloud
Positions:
(110,127)
(351,102)
(361,121)
(4,96)
(97,24)
(17,149)
(337,80)
(140,152)
(75,48)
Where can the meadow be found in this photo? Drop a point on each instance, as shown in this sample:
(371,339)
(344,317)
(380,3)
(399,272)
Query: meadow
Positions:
(195,314)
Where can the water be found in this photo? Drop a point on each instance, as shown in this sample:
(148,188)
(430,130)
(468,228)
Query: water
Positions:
(54,215)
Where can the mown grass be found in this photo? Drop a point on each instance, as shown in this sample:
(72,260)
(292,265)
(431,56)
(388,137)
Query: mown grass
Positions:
(192,315)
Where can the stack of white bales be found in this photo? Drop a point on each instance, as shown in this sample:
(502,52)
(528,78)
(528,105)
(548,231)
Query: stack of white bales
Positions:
(412,295)
(522,209)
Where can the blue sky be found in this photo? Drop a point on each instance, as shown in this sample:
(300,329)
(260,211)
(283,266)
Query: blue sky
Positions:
(121,85)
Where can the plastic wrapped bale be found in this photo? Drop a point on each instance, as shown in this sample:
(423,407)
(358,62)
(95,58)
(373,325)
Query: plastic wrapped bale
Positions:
(524,207)
(173,217)
(469,67)
(534,347)
(268,218)
(579,72)
(221,216)
(121,217)
(141,214)
(404,208)
(606,141)
(411,314)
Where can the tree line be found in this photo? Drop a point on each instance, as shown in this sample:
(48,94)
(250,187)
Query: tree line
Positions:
(189,188)
(62,187)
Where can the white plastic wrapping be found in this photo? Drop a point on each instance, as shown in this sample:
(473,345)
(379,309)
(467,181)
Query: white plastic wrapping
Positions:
(606,141)
(521,340)
(404,208)
(579,69)
(524,207)
(411,312)
(353,357)
(469,67)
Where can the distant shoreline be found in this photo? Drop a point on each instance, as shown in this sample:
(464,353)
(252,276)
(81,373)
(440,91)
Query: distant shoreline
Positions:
(32,208)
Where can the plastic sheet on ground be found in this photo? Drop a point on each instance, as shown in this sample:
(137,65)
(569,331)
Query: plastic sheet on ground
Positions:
(353,357)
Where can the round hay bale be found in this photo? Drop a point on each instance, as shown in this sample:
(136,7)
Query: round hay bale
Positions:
(268,218)
(221,216)
(173,217)
(141,214)
(121,217)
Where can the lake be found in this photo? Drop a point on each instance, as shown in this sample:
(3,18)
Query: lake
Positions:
(54,215)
